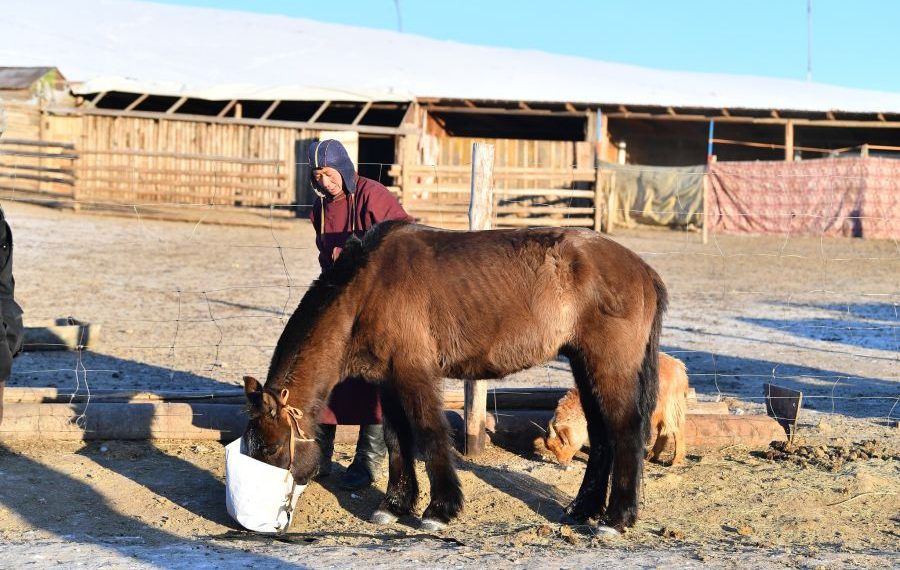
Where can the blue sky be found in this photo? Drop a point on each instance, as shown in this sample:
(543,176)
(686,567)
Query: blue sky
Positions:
(854,43)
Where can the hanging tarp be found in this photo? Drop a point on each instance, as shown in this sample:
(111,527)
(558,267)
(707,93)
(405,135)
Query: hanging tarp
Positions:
(655,195)
(852,197)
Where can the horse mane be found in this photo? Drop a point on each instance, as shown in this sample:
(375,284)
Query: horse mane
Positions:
(321,294)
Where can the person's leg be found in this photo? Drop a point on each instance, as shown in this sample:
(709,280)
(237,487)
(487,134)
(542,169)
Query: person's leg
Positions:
(326,447)
(368,460)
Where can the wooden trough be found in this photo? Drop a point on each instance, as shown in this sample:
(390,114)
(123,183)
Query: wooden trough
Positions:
(47,413)
(60,334)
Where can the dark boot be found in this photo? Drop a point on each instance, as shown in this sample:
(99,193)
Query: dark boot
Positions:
(369,458)
(326,448)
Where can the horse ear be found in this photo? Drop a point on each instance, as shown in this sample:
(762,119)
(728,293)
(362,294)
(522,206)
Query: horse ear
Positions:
(251,385)
(283,396)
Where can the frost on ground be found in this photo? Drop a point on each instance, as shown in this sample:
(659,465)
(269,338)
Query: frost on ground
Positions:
(162,505)
(196,306)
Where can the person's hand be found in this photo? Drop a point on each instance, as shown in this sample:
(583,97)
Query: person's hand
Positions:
(335,253)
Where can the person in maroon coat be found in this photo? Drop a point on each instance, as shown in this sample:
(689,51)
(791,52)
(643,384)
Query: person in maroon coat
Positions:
(348,204)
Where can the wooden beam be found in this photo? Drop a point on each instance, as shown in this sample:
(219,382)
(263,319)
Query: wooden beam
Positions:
(504,111)
(319,111)
(270,110)
(524,105)
(881,117)
(789,141)
(725,112)
(604,135)
(362,113)
(571,108)
(227,108)
(137,102)
(97,98)
(670,111)
(830,116)
(624,110)
(758,120)
(469,104)
(365,129)
(774,114)
(175,106)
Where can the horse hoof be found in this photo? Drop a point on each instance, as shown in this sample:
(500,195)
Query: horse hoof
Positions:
(603,530)
(383,517)
(569,520)
(432,525)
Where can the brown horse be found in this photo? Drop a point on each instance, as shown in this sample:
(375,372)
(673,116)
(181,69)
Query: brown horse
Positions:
(409,305)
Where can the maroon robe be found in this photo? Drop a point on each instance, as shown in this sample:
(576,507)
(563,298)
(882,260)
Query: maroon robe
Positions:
(353,401)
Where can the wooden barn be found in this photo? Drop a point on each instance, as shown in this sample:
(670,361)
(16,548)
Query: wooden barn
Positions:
(224,130)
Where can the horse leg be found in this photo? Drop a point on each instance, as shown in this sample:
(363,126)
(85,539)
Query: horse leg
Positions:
(658,447)
(618,397)
(591,498)
(422,400)
(403,488)
(680,452)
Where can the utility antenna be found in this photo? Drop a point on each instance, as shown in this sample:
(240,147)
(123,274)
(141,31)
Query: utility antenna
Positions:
(808,40)
(399,19)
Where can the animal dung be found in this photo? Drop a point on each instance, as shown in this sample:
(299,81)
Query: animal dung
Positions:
(259,496)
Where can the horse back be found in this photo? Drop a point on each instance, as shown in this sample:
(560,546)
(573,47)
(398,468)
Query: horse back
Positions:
(486,304)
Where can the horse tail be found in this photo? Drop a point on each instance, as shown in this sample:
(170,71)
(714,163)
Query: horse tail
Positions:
(648,375)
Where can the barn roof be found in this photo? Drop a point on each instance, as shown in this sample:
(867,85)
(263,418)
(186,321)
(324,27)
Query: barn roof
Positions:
(140,47)
(14,78)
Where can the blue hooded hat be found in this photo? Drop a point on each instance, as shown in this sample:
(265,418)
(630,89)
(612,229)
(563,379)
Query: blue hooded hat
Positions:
(331,153)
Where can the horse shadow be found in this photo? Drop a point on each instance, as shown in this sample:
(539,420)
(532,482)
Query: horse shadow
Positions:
(543,499)
(58,505)
(204,497)
(864,325)
(360,503)
(717,375)
(91,370)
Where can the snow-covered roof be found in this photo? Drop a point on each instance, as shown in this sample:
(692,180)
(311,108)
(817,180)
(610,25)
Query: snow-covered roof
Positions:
(132,46)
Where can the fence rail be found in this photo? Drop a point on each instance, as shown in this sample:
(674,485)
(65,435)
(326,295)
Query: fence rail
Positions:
(38,167)
(160,177)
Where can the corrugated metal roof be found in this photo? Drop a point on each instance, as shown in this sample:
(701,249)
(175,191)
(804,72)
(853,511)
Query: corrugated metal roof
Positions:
(13,78)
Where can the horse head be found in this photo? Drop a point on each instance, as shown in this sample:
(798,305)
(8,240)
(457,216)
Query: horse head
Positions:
(278,433)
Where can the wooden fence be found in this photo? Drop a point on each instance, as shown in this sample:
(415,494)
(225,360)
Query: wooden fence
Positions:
(140,177)
(523,196)
(37,167)
(139,160)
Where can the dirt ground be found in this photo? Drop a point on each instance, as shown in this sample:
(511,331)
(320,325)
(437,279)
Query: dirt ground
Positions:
(161,505)
(197,306)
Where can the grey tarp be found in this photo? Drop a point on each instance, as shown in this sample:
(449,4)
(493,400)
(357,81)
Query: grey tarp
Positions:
(668,196)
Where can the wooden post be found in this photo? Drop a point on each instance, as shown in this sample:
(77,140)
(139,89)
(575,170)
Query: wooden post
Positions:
(704,209)
(789,141)
(705,204)
(603,125)
(610,202)
(480,212)
(598,196)
(864,151)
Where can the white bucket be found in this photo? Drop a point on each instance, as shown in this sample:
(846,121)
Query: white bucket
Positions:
(261,497)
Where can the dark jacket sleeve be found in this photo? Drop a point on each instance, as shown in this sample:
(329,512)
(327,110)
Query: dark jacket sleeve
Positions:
(10,311)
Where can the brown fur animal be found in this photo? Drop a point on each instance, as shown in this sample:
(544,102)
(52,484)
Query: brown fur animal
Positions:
(567,432)
(411,305)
